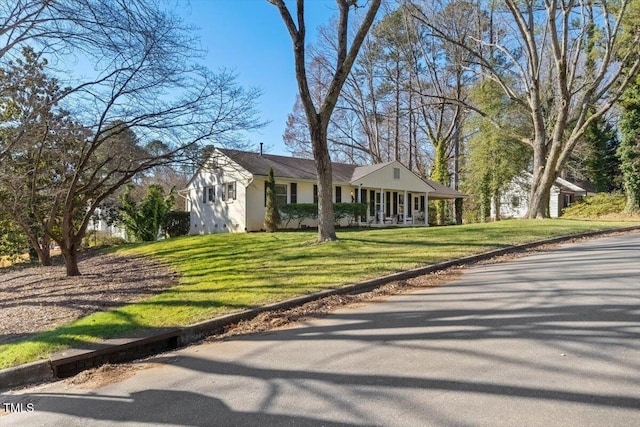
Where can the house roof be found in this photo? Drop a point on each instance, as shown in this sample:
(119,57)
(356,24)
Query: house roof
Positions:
(578,185)
(286,167)
(569,185)
(299,168)
(443,192)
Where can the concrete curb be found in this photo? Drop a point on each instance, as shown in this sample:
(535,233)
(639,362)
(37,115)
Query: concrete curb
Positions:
(26,374)
(73,361)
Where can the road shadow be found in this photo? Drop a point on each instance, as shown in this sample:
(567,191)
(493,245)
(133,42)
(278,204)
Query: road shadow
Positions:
(158,407)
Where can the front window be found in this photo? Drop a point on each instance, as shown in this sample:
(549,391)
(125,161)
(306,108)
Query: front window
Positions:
(281,194)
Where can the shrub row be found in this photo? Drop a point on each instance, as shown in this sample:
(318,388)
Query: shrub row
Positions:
(299,212)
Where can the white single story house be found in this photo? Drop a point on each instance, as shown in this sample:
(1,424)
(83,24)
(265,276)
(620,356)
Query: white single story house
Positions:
(514,201)
(228,194)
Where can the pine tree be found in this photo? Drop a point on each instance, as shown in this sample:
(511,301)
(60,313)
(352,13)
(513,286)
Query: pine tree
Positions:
(143,220)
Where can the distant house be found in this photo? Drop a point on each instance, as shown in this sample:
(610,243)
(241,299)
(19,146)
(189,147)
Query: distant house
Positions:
(514,201)
(103,221)
(229,193)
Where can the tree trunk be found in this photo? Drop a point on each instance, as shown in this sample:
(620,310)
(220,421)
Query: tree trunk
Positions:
(42,248)
(70,254)
(441,212)
(540,193)
(440,174)
(326,222)
(537,197)
(458,210)
(496,207)
(45,254)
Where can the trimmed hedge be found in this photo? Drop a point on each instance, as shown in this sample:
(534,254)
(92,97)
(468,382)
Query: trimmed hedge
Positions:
(349,211)
(300,212)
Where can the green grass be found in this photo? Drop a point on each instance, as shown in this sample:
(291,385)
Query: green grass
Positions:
(224,273)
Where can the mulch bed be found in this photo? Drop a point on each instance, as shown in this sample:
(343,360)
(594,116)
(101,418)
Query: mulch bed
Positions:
(34,299)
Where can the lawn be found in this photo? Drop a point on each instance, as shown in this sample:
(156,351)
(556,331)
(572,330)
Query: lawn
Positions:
(224,273)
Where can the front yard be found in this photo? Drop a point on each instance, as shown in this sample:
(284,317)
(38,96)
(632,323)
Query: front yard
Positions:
(224,273)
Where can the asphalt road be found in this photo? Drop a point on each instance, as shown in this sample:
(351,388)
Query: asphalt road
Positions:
(552,339)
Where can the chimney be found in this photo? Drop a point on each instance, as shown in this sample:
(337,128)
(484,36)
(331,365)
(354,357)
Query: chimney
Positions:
(261,149)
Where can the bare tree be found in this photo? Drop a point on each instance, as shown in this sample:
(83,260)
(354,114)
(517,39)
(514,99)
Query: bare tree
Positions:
(98,30)
(153,90)
(318,116)
(543,69)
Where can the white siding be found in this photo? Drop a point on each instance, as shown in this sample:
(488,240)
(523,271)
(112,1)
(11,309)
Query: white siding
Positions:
(255,205)
(387,178)
(514,201)
(555,203)
(256,202)
(217,216)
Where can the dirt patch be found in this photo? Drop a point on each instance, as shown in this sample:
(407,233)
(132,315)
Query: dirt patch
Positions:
(105,375)
(34,299)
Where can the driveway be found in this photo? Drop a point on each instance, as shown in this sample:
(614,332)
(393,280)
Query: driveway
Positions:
(551,339)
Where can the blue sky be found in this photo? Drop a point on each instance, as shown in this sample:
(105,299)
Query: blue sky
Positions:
(250,37)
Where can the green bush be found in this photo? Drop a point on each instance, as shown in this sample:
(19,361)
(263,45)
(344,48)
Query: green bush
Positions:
(177,223)
(298,212)
(596,206)
(13,242)
(349,211)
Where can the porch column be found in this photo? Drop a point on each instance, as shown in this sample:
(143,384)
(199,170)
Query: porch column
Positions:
(405,208)
(383,210)
(357,200)
(426,209)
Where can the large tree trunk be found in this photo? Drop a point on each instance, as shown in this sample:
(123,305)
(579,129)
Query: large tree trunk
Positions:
(540,194)
(70,254)
(540,188)
(319,118)
(326,222)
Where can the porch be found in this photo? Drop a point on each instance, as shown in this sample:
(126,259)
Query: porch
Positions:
(392,207)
